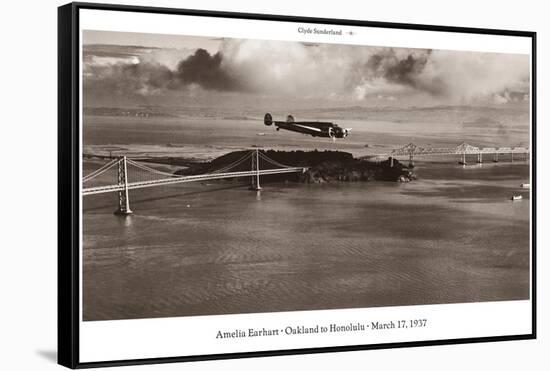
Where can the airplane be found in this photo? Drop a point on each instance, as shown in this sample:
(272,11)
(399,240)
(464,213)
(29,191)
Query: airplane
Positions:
(313,128)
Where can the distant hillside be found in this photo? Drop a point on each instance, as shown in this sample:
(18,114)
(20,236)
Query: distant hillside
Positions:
(440,115)
(140,112)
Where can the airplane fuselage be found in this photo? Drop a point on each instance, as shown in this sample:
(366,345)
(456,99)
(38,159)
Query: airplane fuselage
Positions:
(313,128)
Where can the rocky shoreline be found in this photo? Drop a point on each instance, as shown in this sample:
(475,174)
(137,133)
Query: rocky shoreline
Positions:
(358,171)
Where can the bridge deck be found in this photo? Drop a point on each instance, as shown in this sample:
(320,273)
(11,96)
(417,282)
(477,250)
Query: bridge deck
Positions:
(452,151)
(189,178)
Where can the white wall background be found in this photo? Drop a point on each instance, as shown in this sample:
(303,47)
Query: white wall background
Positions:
(28,151)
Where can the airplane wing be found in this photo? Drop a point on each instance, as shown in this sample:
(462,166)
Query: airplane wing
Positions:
(316,124)
(307,127)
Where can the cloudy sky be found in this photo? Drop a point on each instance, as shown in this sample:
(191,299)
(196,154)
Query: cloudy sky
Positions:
(131,69)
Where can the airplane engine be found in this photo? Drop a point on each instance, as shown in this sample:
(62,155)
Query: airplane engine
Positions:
(268,120)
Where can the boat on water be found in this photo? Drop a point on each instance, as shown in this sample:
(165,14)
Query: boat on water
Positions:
(525,185)
(517,197)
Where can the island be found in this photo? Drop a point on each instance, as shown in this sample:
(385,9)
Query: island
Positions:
(323,167)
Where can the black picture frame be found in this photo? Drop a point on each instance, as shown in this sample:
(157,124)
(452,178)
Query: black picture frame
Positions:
(69,198)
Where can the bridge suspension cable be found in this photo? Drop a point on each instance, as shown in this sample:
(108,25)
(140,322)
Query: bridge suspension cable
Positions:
(232,165)
(272,162)
(151,170)
(100,171)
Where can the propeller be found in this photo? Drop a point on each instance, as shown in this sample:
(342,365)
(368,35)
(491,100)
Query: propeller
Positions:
(331,134)
(268,119)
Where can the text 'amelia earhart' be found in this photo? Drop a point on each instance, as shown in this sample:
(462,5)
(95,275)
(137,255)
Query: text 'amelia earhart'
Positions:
(290,330)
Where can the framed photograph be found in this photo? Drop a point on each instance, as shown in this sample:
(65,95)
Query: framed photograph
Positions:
(241,185)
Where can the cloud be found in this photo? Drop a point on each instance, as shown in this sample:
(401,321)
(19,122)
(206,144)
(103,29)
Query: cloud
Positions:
(508,96)
(286,68)
(466,76)
(206,70)
(302,71)
(147,76)
(400,67)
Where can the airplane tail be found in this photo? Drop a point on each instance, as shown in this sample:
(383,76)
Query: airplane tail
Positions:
(268,120)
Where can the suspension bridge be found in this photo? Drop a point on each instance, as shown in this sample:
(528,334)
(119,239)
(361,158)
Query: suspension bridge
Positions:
(412,150)
(122,174)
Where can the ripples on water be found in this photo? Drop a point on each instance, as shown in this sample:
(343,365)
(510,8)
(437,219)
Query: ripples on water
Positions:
(451,236)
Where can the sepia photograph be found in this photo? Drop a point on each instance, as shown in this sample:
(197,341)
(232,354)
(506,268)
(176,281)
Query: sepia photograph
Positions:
(227,176)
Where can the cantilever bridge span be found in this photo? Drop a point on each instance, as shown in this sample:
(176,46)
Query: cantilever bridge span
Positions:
(412,150)
(131,175)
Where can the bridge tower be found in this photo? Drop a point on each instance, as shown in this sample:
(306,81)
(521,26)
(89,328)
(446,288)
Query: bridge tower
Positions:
(123,199)
(255,186)
(411,160)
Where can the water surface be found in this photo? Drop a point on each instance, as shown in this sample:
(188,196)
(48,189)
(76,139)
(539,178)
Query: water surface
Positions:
(197,249)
